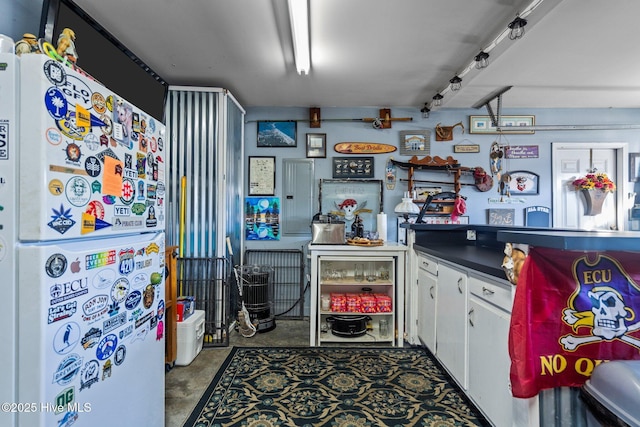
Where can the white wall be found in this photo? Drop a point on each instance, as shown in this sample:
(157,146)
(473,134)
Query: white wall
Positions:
(477,202)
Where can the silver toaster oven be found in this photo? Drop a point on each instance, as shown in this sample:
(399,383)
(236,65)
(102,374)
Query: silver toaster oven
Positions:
(328,233)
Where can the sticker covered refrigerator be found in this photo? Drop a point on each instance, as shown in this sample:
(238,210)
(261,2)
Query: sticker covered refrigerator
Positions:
(81,251)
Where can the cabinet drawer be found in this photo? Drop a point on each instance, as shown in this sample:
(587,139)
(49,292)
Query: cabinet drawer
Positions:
(492,292)
(427,263)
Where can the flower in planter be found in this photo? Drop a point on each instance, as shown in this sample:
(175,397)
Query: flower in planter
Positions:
(595,181)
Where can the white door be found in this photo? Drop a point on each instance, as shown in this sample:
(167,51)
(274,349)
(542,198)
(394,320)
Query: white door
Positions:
(571,161)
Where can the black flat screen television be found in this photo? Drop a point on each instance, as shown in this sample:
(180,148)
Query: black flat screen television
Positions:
(102,56)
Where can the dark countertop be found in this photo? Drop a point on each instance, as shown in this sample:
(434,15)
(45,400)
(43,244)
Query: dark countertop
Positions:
(485,253)
(575,240)
(485,260)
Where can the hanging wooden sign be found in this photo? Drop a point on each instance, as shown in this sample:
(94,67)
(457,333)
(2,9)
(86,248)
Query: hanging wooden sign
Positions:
(363,148)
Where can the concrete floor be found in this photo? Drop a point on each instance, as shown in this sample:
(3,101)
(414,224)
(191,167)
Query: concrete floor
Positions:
(184,385)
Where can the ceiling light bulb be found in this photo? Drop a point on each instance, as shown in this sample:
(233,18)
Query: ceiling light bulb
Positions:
(482,60)
(437,100)
(425,111)
(456,83)
(517,28)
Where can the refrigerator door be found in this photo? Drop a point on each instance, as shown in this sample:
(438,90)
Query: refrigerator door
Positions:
(91,164)
(91,332)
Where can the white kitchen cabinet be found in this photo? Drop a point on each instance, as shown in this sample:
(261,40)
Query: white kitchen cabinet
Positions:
(344,270)
(451,322)
(489,318)
(427,300)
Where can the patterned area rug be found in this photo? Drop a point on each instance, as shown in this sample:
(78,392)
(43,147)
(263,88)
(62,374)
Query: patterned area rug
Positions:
(332,387)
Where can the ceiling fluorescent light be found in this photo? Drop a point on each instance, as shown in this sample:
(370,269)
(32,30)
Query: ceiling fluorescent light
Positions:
(299,17)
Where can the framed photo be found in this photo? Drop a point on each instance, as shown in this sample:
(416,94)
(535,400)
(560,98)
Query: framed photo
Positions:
(353,167)
(347,198)
(277,134)
(508,124)
(317,145)
(262,218)
(262,176)
(415,142)
(634,167)
(522,183)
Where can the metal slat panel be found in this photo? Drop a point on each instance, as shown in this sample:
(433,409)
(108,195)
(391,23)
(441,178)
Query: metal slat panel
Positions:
(562,407)
(288,279)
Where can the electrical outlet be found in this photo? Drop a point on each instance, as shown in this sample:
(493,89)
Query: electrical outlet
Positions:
(471,234)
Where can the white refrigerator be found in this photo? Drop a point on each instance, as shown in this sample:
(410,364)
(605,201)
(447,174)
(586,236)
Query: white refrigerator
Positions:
(81,251)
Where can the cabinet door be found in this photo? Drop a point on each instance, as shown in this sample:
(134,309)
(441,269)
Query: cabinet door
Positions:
(489,361)
(427,288)
(451,322)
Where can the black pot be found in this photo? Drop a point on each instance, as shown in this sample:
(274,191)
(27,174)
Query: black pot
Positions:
(348,326)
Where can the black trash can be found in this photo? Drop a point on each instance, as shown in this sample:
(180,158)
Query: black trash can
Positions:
(612,394)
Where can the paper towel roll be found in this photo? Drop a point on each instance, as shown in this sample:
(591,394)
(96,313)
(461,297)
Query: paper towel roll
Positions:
(382,226)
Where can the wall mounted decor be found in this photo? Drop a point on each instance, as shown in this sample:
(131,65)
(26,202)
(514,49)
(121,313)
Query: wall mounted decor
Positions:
(538,216)
(445,133)
(348,198)
(521,152)
(277,134)
(415,142)
(317,145)
(521,183)
(466,148)
(262,176)
(262,218)
(508,124)
(363,148)
(353,167)
(501,216)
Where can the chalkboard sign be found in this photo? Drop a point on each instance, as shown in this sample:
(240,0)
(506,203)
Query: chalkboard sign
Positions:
(501,216)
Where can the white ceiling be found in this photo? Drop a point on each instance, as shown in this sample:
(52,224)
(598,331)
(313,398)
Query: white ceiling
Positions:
(382,53)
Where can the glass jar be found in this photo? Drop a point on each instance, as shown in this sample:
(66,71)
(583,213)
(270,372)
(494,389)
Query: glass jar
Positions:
(383,325)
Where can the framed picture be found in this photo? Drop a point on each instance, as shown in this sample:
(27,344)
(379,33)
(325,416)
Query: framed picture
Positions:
(508,124)
(634,167)
(415,142)
(353,167)
(262,218)
(262,176)
(522,183)
(348,198)
(317,145)
(277,134)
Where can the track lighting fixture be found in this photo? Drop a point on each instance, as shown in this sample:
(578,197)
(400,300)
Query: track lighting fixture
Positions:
(456,83)
(514,30)
(482,60)
(517,28)
(425,111)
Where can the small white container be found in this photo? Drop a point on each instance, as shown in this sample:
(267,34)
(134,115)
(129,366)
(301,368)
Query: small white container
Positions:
(190,338)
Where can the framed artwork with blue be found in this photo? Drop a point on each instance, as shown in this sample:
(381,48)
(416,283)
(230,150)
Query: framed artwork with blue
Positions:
(277,134)
(262,218)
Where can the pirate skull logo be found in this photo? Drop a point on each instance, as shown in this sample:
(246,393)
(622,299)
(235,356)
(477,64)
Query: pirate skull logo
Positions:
(609,313)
